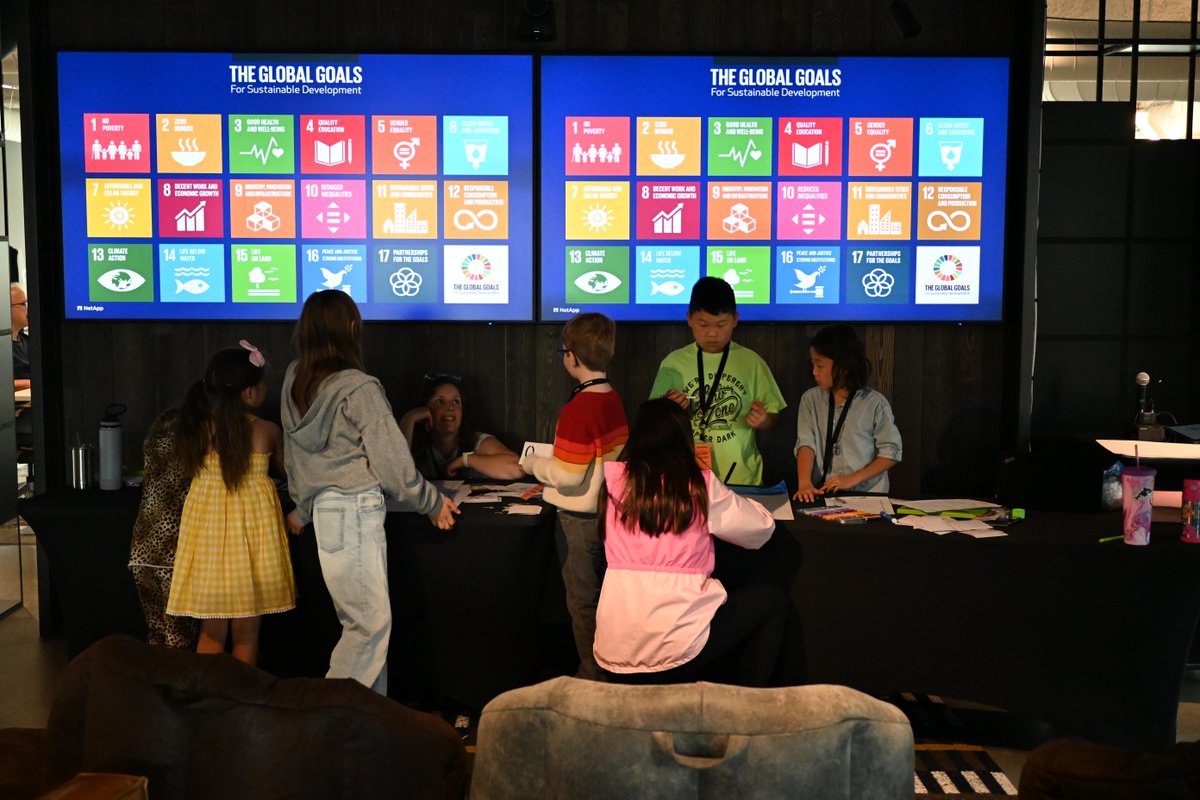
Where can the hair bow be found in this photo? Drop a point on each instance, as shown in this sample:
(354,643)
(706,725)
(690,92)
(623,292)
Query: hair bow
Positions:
(256,356)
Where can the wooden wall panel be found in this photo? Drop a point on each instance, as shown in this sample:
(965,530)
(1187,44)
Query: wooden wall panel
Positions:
(943,380)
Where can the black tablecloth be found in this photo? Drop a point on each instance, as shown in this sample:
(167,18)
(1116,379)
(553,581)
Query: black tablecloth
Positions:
(467,604)
(1047,622)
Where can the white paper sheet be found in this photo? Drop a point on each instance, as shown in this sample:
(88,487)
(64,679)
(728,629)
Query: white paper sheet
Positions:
(780,505)
(944,504)
(522,508)
(869,505)
(536,449)
(940,525)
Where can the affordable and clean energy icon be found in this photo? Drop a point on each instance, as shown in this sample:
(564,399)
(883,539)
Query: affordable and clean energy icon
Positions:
(118,215)
(597,218)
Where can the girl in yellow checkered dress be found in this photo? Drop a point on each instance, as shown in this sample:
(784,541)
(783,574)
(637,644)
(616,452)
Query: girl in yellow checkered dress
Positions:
(232,563)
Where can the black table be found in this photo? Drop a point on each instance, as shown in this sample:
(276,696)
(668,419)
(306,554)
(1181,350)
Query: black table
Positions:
(467,604)
(1047,623)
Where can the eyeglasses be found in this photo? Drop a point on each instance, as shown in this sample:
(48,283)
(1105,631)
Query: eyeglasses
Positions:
(442,377)
(562,351)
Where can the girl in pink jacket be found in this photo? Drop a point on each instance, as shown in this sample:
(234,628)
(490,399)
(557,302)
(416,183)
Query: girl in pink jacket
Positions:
(662,617)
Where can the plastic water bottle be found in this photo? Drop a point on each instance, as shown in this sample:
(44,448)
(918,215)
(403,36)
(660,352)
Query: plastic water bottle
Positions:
(110,447)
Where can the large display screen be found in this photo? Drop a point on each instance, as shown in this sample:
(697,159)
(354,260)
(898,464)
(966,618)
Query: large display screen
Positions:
(855,189)
(226,186)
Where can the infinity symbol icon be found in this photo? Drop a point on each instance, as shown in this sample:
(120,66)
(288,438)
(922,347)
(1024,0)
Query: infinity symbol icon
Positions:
(485,220)
(948,221)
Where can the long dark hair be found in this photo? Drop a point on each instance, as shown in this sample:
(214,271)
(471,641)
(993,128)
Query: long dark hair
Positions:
(212,417)
(327,339)
(664,488)
(841,345)
(422,443)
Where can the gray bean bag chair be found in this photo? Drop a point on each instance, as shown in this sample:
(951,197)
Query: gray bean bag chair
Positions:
(570,738)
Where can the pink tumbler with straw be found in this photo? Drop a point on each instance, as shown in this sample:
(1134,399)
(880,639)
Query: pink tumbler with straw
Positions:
(1137,490)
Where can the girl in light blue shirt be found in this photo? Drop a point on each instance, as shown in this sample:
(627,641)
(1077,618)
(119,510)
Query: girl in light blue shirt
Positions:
(846,435)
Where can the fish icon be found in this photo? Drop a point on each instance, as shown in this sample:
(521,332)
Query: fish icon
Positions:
(194,286)
(669,288)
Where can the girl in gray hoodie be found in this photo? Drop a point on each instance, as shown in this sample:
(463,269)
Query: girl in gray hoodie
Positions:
(344,452)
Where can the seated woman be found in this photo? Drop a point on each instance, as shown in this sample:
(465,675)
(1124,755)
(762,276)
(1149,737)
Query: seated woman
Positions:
(444,445)
(662,617)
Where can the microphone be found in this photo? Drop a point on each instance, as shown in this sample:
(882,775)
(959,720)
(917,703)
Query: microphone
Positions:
(1143,380)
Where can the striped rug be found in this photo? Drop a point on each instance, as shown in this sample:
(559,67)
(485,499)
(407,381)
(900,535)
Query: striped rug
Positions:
(959,771)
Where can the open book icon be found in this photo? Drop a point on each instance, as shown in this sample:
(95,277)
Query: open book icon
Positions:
(815,155)
(331,155)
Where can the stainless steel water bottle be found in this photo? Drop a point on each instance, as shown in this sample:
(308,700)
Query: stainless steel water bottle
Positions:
(110,447)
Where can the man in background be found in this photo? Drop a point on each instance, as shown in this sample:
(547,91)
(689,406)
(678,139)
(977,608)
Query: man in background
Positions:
(20,346)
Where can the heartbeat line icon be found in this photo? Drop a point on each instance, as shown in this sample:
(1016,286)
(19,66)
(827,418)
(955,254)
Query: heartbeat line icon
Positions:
(272,149)
(751,151)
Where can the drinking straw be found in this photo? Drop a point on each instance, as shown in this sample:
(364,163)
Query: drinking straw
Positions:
(729,474)
(1136,456)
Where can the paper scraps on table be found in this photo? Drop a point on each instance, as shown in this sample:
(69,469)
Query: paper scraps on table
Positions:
(495,493)
(523,508)
(942,525)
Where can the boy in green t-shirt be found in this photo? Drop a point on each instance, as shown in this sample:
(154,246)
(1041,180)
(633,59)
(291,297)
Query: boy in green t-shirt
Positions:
(728,389)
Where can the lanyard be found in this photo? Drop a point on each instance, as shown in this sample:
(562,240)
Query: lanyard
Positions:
(706,403)
(832,434)
(584,385)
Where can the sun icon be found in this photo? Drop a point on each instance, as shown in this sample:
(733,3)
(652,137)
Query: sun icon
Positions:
(597,218)
(118,216)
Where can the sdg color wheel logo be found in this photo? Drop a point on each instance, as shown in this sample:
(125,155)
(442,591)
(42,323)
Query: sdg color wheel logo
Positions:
(476,267)
(948,268)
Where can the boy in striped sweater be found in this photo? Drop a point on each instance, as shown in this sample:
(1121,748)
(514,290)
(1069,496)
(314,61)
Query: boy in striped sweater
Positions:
(591,430)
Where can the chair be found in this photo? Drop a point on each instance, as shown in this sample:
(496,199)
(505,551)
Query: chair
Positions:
(208,726)
(568,738)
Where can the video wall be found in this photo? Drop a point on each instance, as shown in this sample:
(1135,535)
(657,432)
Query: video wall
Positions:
(854,189)
(221,186)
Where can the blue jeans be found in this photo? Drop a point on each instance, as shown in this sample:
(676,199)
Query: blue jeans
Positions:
(353,554)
